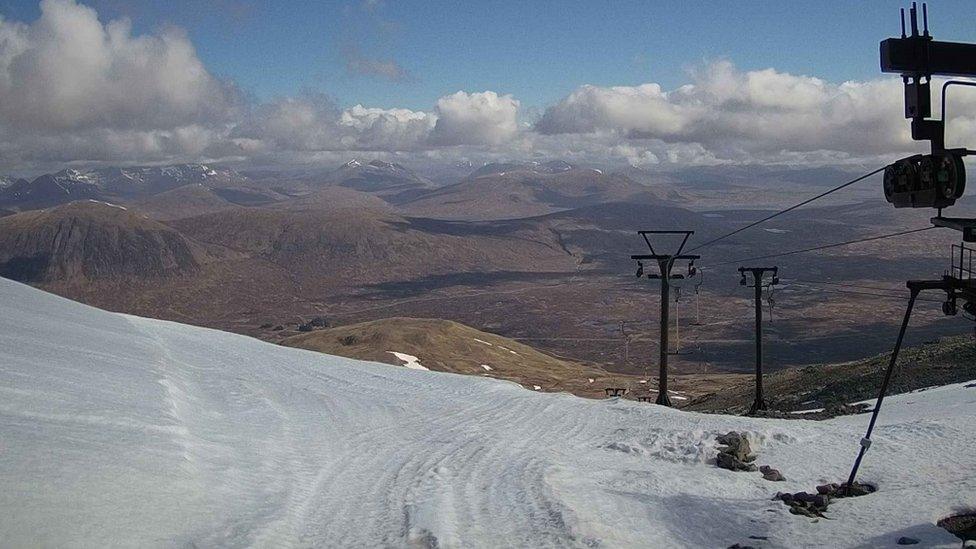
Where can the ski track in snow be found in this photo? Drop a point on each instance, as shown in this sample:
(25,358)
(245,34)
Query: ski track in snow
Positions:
(117,430)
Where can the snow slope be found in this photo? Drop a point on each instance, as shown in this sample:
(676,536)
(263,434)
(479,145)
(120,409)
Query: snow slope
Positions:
(123,431)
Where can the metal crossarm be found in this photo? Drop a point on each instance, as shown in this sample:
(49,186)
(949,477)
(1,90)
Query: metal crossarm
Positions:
(962,224)
(658,256)
(687,235)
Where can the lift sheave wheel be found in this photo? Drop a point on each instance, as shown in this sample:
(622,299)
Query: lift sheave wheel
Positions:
(930,181)
(947,173)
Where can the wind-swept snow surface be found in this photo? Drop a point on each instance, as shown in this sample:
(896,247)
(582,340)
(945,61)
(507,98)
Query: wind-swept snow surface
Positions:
(117,430)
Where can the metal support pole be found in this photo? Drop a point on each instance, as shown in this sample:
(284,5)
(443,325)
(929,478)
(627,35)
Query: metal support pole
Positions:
(758,274)
(697,308)
(664,262)
(759,404)
(662,395)
(677,328)
(866,441)
(962,258)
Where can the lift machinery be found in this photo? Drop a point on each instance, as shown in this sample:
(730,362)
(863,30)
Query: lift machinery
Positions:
(934,180)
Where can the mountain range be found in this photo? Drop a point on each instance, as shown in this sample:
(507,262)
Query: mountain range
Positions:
(110,184)
(388,180)
(537,252)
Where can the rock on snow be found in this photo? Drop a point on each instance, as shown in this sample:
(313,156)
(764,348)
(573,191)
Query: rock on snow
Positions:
(117,430)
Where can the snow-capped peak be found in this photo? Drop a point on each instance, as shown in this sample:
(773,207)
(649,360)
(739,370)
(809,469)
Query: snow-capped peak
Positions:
(72,175)
(388,166)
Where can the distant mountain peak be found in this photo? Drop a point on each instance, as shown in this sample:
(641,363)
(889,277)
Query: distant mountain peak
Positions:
(71,175)
(112,182)
(6,181)
(391,167)
(556,166)
(187,171)
(531,166)
(390,181)
(374,165)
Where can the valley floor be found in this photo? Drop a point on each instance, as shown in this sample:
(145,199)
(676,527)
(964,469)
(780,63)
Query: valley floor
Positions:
(123,431)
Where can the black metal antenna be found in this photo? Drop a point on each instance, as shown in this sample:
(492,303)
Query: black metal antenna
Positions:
(914,13)
(925,20)
(917,58)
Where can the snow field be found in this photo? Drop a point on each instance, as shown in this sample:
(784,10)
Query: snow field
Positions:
(123,431)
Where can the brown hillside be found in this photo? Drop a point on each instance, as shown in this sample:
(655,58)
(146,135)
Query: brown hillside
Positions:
(185,201)
(523,193)
(335,198)
(445,346)
(89,240)
(360,246)
(948,360)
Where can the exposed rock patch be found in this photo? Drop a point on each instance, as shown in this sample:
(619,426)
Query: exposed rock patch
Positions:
(962,526)
(771,474)
(734,452)
(814,505)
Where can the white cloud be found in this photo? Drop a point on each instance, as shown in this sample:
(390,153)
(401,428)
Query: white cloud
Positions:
(314,123)
(643,108)
(75,89)
(72,88)
(740,115)
(185,143)
(304,123)
(484,118)
(67,71)
(387,129)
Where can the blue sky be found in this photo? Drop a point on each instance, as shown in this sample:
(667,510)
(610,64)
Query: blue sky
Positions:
(538,51)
